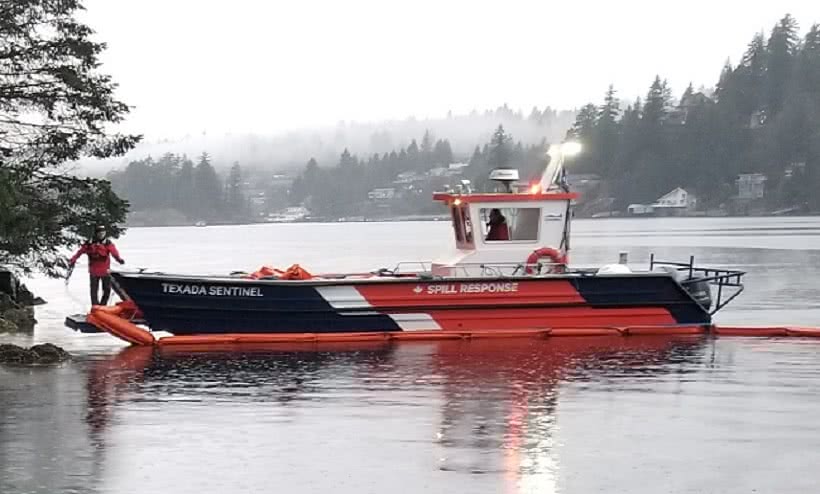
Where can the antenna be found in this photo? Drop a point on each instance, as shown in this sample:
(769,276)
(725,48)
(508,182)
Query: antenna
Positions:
(505,176)
(557,153)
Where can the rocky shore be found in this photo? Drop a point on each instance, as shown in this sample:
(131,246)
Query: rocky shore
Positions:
(16,305)
(16,316)
(45,353)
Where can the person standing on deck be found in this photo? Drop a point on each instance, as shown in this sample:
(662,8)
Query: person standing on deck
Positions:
(99,251)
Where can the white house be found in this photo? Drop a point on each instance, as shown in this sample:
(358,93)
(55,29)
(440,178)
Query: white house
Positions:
(382,193)
(672,203)
(676,199)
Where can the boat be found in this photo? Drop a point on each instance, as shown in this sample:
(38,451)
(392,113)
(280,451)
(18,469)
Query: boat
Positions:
(483,285)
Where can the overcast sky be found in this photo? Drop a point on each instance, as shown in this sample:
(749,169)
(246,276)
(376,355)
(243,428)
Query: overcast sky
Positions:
(268,65)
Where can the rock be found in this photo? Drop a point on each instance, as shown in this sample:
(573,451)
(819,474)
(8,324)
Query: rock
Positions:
(38,354)
(16,301)
(46,353)
(8,283)
(22,318)
(8,326)
(14,292)
(13,354)
(26,298)
(6,302)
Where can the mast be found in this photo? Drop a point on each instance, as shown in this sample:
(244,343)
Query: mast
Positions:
(551,178)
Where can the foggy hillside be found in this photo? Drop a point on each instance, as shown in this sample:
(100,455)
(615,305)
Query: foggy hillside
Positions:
(293,149)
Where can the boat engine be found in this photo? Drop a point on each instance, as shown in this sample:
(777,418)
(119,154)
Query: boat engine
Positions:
(698,288)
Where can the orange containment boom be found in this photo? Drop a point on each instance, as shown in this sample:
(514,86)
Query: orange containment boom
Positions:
(117,321)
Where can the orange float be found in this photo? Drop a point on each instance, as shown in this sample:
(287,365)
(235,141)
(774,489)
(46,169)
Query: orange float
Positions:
(121,328)
(668,330)
(116,321)
(750,331)
(804,332)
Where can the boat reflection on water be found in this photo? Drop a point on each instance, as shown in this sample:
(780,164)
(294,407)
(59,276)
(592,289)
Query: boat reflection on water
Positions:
(493,403)
(501,397)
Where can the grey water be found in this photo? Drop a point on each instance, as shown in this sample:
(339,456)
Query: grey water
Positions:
(638,414)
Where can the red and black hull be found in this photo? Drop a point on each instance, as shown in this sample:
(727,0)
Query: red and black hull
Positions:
(185,305)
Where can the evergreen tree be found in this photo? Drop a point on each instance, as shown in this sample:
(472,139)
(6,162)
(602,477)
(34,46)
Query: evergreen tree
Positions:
(609,112)
(500,151)
(347,160)
(426,150)
(606,134)
(442,153)
(657,102)
(751,76)
(781,50)
(809,62)
(687,93)
(186,188)
(476,158)
(234,194)
(413,156)
(584,124)
(54,108)
(208,188)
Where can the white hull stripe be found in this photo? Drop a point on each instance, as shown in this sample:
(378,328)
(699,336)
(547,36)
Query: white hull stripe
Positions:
(415,322)
(343,297)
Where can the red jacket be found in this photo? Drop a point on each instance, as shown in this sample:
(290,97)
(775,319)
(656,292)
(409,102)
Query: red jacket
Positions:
(498,232)
(99,261)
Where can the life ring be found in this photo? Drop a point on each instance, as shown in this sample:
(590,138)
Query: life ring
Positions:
(557,257)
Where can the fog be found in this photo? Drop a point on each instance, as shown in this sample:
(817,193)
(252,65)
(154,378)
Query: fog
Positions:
(266,82)
(287,150)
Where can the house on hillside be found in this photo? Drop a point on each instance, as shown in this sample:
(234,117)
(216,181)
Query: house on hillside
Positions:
(751,186)
(677,202)
(680,114)
(382,193)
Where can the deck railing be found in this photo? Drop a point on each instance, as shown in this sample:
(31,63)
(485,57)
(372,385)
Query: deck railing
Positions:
(729,279)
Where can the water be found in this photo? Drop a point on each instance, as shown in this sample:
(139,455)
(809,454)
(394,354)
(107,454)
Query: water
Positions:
(646,415)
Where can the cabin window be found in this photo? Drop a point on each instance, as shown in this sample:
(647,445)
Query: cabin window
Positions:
(510,224)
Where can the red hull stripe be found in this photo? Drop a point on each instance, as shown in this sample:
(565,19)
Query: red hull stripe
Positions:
(543,318)
(445,294)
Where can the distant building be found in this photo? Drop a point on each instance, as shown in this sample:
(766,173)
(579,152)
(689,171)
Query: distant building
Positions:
(288,215)
(257,201)
(751,186)
(758,119)
(676,202)
(680,114)
(408,178)
(381,194)
(640,210)
(695,99)
(676,199)
(794,168)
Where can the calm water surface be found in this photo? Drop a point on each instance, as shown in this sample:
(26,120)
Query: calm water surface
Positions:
(646,415)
